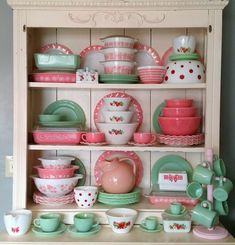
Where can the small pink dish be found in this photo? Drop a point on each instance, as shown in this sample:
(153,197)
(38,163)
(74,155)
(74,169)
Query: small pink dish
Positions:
(53,77)
(53,173)
(118,67)
(179,112)
(179,103)
(179,125)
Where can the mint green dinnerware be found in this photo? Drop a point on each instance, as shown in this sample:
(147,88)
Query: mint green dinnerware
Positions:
(84,222)
(194,190)
(48,222)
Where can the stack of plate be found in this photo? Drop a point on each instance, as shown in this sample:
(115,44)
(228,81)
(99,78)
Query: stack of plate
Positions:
(119,199)
(118,78)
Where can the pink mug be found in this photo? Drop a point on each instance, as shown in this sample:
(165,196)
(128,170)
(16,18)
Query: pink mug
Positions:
(144,138)
(93,137)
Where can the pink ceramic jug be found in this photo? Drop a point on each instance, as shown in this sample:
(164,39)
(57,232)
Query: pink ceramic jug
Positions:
(118,176)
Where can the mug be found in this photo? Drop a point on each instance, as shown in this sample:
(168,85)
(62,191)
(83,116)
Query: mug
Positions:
(194,190)
(48,222)
(222,188)
(84,222)
(203,175)
(150,223)
(144,138)
(219,167)
(85,196)
(184,44)
(18,221)
(221,207)
(93,137)
(204,215)
(176,208)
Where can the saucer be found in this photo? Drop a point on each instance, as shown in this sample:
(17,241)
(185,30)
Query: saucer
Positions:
(158,228)
(98,144)
(167,211)
(40,232)
(139,144)
(72,230)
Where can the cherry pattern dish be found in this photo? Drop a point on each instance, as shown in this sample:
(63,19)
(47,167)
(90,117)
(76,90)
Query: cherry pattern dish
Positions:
(121,154)
(134,106)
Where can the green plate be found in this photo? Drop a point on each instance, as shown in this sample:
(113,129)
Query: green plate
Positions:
(60,124)
(156,114)
(71,229)
(118,81)
(134,193)
(118,202)
(158,228)
(170,163)
(38,231)
(69,111)
(193,56)
(119,76)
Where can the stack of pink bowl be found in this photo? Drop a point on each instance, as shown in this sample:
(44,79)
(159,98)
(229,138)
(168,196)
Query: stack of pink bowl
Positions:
(55,181)
(119,55)
(179,118)
(151,74)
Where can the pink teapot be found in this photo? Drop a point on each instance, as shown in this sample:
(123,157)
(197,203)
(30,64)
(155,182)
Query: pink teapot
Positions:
(118,176)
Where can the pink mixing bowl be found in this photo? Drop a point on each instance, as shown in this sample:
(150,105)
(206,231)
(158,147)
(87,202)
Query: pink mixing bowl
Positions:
(179,103)
(179,112)
(179,125)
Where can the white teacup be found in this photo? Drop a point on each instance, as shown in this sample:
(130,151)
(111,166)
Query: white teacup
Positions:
(17,222)
(184,44)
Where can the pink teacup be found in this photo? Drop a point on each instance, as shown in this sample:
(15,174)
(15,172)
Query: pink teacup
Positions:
(144,138)
(93,137)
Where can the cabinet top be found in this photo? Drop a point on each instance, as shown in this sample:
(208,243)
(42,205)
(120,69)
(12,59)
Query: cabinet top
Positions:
(147,4)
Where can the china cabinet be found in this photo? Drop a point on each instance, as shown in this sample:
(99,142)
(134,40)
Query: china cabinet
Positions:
(78,25)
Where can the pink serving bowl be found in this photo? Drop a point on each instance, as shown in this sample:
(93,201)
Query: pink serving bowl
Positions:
(179,103)
(179,125)
(179,112)
(53,173)
(118,67)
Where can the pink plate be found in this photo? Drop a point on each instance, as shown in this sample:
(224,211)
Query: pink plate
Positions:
(91,57)
(188,140)
(146,56)
(55,48)
(121,154)
(53,77)
(138,144)
(40,198)
(134,106)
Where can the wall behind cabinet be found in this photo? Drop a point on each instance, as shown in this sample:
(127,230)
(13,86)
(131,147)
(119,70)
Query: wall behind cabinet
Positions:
(227,109)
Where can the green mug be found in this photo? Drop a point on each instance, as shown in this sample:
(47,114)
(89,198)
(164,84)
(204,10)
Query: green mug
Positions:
(219,167)
(150,223)
(84,222)
(48,222)
(194,190)
(222,188)
(204,215)
(221,207)
(203,175)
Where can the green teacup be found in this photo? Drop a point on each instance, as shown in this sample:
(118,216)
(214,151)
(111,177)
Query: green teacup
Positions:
(222,188)
(84,222)
(204,215)
(203,175)
(176,208)
(150,223)
(194,190)
(219,167)
(48,222)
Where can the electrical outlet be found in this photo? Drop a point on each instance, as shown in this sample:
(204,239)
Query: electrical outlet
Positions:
(8,166)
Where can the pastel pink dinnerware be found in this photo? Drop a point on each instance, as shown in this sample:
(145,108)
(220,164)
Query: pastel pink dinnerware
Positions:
(93,137)
(85,196)
(117,53)
(179,112)
(175,103)
(56,162)
(151,74)
(118,41)
(144,138)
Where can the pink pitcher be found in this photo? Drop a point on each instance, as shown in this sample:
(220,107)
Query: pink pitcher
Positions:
(118,176)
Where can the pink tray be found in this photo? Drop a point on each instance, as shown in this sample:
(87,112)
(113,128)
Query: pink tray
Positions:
(56,138)
(170,199)
(53,77)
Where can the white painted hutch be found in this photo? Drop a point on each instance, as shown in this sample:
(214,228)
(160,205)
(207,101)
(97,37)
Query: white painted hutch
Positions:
(79,24)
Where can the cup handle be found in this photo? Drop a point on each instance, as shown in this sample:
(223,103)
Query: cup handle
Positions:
(36,223)
(95,224)
(206,204)
(154,138)
(143,224)
(83,136)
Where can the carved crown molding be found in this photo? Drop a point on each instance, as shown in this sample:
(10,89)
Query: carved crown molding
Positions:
(156,4)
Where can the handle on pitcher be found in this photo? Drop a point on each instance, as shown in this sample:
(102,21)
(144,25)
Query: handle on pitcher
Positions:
(132,162)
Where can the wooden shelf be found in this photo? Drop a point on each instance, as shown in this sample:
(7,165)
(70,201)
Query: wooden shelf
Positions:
(107,236)
(197,149)
(117,86)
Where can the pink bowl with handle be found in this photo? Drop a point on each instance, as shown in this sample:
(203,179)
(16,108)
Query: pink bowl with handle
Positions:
(179,125)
